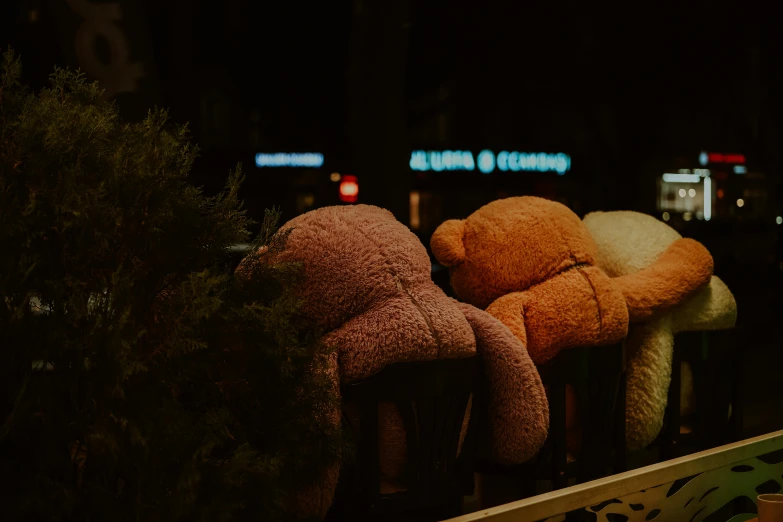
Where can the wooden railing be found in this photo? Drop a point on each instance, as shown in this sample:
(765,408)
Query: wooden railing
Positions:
(686,489)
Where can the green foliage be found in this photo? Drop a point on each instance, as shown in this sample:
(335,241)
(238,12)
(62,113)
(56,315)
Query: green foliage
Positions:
(163,391)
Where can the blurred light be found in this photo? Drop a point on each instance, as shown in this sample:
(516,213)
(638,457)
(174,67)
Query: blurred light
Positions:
(414,210)
(740,202)
(702,172)
(725,158)
(681,178)
(285,159)
(40,365)
(487,161)
(779,220)
(720,193)
(33,15)
(692,193)
(707,199)
(349,189)
(740,169)
(704,158)
(39,308)
(682,193)
(334,176)
(687,216)
(666,216)
(309,199)
(699,215)
(442,160)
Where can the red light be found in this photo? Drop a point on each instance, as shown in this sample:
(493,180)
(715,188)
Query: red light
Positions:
(349,189)
(727,158)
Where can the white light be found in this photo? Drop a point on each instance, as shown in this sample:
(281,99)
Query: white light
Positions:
(682,193)
(681,178)
(687,216)
(284,159)
(740,169)
(740,202)
(779,220)
(692,193)
(702,172)
(335,176)
(666,216)
(707,199)
(704,158)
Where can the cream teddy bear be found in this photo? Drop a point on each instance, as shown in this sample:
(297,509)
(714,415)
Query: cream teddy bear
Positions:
(627,243)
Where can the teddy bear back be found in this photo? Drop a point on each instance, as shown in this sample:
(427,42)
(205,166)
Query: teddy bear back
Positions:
(628,241)
(354,258)
(510,245)
(367,284)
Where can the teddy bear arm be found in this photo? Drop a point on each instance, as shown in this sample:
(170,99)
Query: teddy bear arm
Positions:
(510,311)
(649,349)
(711,308)
(580,307)
(517,403)
(683,268)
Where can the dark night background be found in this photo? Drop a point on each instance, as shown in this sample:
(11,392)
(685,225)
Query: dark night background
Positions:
(628,90)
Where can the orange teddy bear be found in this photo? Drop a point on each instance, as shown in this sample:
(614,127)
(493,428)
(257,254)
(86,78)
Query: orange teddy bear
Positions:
(531,263)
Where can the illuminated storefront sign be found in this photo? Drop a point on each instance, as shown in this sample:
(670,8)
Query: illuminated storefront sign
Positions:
(488,161)
(686,176)
(311,160)
(686,192)
(710,158)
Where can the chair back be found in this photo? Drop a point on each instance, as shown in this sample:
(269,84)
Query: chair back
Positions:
(597,375)
(432,398)
(717,367)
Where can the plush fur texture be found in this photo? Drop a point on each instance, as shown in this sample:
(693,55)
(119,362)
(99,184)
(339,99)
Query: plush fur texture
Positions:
(530,263)
(367,284)
(534,265)
(631,243)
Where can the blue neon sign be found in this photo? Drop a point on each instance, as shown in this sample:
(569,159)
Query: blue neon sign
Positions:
(487,161)
(312,160)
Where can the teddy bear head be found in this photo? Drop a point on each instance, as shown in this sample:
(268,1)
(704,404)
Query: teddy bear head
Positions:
(629,242)
(511,245)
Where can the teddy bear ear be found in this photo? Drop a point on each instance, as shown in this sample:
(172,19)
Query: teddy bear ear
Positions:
(448,242)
